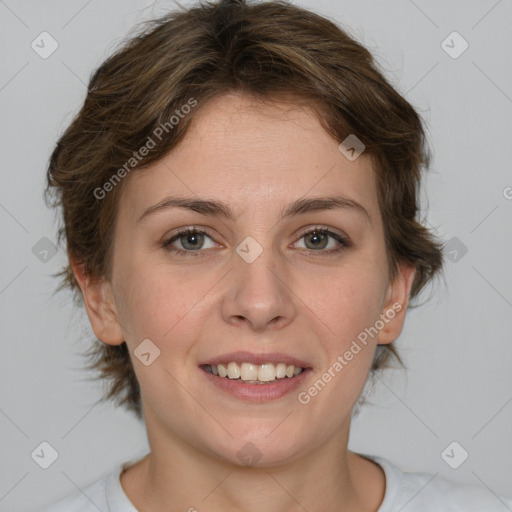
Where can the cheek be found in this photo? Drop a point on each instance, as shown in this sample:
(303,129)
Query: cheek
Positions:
(345,300)
(348,309)
(158,302)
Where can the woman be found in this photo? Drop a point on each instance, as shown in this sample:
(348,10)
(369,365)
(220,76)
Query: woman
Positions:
(240,211)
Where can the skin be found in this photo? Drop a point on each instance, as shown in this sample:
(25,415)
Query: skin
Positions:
(257,158)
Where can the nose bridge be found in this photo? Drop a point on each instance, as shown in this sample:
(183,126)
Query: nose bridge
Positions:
(258,292)
(257,269)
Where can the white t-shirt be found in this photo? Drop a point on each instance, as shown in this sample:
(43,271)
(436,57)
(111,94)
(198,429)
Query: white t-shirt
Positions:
(421,492)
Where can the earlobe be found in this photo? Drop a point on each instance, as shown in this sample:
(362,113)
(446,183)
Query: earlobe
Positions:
(100,306)
(397,301)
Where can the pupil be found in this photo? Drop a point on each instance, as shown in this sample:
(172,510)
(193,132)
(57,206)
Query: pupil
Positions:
(192,239)
(316,238)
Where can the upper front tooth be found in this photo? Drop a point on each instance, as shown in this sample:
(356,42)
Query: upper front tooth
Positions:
(249,371)
(267,372)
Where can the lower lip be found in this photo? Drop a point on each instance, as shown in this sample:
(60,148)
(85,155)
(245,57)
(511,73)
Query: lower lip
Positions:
(257,392)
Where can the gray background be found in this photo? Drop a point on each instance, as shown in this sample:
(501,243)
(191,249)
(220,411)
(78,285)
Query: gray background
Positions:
(457,346)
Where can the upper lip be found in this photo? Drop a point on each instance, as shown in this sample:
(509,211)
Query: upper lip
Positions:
(261,358)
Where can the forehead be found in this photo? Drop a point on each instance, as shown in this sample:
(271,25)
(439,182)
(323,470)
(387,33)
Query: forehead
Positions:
(243,151)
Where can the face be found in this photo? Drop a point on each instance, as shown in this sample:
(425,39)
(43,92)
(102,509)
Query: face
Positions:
(305,284)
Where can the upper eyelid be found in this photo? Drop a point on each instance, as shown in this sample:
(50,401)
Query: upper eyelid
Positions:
(334,231)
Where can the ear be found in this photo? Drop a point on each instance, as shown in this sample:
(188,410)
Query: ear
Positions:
(100,306)
(396,302)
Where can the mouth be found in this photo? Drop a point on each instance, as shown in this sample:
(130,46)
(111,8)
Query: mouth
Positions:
(255,382)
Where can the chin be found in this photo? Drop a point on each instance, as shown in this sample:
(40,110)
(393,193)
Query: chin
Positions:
(259,451)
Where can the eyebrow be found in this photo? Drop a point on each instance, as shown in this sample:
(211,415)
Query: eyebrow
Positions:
(217,209)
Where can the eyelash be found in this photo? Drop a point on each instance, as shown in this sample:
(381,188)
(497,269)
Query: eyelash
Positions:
(343,241)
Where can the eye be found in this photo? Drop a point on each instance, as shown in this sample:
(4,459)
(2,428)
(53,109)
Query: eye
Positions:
(191,240)
(317,239)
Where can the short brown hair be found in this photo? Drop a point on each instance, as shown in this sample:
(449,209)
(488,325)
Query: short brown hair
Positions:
(267,49)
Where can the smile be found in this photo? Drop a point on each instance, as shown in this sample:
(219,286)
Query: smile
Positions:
(245,381)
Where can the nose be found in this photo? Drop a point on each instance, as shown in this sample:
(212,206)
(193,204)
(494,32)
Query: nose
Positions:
(259,294)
